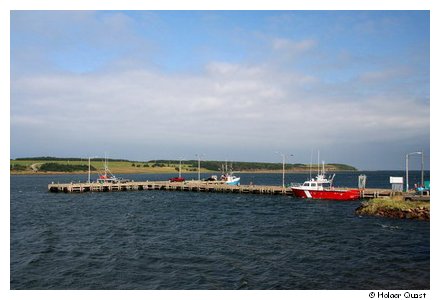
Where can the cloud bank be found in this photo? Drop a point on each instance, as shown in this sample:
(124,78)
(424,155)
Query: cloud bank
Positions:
(243,110)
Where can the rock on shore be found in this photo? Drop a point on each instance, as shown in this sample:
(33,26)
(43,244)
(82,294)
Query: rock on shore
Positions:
(407,211)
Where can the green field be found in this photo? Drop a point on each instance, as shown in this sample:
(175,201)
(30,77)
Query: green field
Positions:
(76,165)
(34,166)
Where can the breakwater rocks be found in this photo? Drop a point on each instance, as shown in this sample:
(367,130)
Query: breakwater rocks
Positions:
(393,208)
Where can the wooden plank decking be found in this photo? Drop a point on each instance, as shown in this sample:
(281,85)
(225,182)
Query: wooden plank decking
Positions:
(194,186)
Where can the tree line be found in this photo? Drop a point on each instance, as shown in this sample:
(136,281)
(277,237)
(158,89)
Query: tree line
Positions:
(247,166)
(51,158)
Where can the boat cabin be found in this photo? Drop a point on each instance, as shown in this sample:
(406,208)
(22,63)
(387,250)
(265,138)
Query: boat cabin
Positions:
(315,185)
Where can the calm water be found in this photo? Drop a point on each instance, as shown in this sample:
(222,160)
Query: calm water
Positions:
(186,240)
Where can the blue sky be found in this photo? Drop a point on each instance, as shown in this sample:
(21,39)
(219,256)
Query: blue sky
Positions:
(236,85)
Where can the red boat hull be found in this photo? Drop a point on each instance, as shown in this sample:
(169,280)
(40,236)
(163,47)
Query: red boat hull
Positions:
(340,195)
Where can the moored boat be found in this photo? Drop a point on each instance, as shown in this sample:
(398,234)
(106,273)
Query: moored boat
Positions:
(231,179)
(322,188)
(228,176)
(108,177)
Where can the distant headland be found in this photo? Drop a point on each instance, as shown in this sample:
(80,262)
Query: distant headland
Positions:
(57,165)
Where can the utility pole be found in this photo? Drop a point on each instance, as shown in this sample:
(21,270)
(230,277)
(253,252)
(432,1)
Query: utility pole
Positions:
(407,157)
(89,169)
(284,162)
(423,182)
(180,166)
(198,158)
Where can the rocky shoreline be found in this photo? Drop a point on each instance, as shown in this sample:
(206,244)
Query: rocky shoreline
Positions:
(392,208)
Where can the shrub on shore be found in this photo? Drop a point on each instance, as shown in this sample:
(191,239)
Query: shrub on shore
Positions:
(17,167)
(56,167)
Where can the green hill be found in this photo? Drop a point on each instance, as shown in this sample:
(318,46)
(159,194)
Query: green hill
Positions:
(72,164)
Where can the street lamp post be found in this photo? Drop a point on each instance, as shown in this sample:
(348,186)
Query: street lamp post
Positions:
(284,162)
(180,166)
(198,158)
(407,157)
(88,180)
(423,182)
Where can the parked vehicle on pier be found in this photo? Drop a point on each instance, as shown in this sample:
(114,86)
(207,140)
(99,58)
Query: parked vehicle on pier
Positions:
(177,179)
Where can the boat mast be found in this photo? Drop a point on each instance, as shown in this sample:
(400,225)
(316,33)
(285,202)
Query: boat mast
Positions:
(105,164)
(318,162)
(226,167)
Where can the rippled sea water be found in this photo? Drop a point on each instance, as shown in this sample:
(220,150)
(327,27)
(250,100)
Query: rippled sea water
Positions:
(189,240)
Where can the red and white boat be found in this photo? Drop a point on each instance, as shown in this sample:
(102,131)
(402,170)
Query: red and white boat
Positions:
(322,188)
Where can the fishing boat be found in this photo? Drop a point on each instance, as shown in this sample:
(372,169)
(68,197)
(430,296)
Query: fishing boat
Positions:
(322,188)
(228,176)
(108,177)
(230,179)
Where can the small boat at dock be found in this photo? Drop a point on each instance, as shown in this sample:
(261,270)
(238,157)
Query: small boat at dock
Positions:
(108,177)
(230,179)
(228,176)
(322,188)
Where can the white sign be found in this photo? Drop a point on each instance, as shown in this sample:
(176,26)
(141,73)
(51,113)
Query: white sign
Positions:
(396,180)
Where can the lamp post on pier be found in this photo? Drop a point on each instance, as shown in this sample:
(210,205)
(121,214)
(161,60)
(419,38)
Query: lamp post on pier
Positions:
(284,162)
(88,180)
(198,158)
(180,166)
(407,157)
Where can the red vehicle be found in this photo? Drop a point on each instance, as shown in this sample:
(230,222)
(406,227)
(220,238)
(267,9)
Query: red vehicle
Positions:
(177,179)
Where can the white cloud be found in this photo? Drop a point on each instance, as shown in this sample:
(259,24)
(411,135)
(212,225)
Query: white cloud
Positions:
(246,108)
(293,47)
(385,75)
(225,105)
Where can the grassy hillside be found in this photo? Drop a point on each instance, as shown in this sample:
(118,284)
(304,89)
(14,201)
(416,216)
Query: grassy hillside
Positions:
(77,165)
(31,166)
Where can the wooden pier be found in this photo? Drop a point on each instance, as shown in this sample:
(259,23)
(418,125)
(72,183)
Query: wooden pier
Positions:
(195,186)
(377,193)
(387,193)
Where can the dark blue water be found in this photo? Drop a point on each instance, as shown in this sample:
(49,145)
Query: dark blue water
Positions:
(189,240)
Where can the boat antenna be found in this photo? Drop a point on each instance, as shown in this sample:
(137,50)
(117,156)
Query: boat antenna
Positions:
(105,164)
(310,166)
(106,169)
(318,162)
(331,181)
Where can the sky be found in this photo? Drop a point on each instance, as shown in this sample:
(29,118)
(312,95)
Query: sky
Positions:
(228,85)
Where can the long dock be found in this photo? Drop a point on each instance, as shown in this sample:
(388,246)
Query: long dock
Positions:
(192,186)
